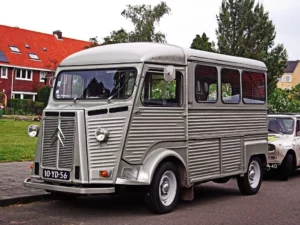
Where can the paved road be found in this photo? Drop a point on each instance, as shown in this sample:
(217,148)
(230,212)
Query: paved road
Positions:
(277,203)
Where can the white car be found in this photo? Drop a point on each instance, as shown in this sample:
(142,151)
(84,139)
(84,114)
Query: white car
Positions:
(284,143)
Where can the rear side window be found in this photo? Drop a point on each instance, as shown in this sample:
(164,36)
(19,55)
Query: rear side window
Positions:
(159,92)
(230,86)
(254,88)
(206,84)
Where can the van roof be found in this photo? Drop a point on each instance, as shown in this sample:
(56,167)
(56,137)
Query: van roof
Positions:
(153,53)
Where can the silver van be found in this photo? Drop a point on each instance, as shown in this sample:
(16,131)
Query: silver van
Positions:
(158,116)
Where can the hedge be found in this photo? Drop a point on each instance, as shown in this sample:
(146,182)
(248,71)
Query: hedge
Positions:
(24,106)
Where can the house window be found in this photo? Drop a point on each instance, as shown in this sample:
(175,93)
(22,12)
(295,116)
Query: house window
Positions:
(3,72)
(287,78)
(42,76)
(33,56)
(280,79)
(14,49)
(23,74)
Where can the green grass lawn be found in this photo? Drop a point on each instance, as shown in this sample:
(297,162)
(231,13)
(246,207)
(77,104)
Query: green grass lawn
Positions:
(15,144)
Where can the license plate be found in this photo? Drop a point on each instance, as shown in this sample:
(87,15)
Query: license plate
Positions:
(56,174)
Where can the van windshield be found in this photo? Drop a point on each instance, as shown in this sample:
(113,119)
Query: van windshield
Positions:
(281,125)
(95,84)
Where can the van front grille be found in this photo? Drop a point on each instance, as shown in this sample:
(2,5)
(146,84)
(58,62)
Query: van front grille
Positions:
(58,142)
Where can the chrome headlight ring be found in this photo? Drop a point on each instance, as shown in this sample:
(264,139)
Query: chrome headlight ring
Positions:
(101,134)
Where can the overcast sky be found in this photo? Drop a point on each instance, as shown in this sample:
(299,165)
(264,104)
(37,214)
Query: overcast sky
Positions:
(82,19)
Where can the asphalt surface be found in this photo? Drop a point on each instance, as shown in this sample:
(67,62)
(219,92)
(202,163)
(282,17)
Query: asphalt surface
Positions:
(277,202)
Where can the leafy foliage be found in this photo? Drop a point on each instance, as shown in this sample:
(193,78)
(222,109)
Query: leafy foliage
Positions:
(144,19)
(281,101)
(203,43)
(43,95)
(244,29)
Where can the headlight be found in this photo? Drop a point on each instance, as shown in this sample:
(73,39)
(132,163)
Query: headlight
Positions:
(33,130)
(271,147)
(101,134)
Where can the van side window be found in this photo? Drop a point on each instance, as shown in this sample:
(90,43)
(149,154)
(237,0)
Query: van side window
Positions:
(230,86)
(159,92)
(206,84)
(254,88)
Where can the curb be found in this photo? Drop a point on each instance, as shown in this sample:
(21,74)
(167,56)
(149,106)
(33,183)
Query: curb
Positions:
(23,199)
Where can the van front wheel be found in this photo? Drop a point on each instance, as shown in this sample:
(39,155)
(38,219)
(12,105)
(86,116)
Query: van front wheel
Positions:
(163,193)
(250,183)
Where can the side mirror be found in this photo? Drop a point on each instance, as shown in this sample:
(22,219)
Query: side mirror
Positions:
(169,73)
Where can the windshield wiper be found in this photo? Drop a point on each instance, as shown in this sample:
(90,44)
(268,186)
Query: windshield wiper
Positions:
(274,131)
(108,100)
(78,96)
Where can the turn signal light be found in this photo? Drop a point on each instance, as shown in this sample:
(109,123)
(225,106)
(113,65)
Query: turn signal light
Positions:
(31,166)
(104,173)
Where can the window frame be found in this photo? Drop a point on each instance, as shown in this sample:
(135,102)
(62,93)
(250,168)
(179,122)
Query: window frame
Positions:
(1,72)
(30,56)
(265,86)
(17,50)
(240,85)
(160,70)
(217,83)
(288,76)
(42,73)
(26,75)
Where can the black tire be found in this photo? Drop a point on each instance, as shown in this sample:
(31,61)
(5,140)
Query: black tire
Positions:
(244,183)
(286,167)
(152,194)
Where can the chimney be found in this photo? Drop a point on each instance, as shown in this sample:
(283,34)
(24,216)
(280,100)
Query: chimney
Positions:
(58,34)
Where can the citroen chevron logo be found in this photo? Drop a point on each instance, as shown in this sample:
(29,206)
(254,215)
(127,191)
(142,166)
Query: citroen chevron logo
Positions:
(57,136)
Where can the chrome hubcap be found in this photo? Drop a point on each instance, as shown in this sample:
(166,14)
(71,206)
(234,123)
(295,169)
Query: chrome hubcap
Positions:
(167,188)
(254,174)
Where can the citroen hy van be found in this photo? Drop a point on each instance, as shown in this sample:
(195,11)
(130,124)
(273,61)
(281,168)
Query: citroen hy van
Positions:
(153,115)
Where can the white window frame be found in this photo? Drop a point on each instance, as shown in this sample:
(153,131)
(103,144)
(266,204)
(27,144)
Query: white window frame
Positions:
(33,56)
(21,93)
(2,68)
(43,74)
(26,75)
(14,49)
(290,78)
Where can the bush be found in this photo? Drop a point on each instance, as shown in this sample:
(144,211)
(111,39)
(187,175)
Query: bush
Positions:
(43,95)
(25,106)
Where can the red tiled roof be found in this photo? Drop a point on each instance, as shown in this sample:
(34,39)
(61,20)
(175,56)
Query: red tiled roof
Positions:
(56,51)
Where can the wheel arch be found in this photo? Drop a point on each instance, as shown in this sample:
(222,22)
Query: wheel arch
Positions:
(158,157)
(292,152)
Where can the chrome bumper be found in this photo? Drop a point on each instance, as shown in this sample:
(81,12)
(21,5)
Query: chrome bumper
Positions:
(74,190)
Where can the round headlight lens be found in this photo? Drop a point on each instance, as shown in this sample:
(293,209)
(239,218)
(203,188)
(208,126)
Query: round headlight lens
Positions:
(101,134)
(33,130)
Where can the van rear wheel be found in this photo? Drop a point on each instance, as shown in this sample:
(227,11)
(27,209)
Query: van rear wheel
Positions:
(163,193)
(250,183)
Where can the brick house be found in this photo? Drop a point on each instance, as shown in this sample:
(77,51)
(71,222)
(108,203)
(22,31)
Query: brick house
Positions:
(291,76)
(26,57)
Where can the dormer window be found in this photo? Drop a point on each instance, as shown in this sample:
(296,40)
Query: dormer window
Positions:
(27,46)
(14,49)
(33,56)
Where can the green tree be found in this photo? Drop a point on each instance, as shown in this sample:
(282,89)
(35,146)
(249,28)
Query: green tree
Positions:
(203,43)
(244,29)
(280,101)
(93,43)
(144,19)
